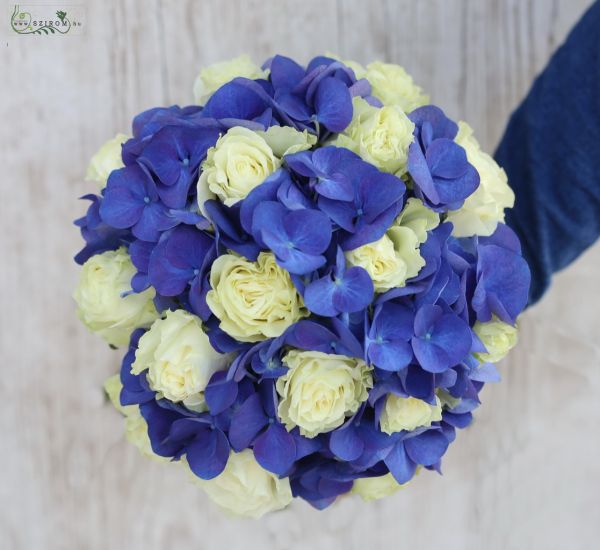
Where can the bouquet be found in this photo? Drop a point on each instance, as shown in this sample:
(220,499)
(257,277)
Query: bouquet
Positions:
(311,276)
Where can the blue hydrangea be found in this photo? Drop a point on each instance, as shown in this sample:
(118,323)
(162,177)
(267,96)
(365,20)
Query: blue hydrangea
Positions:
(416,341)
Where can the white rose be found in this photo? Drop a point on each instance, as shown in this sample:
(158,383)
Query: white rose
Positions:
(418,218)
(394,86)
(179,358)
(244,488)
(374,488)
(253,300)
(136,432)
(497,337)
(394,258)
(447,400)
(240,161)
(105,160)
(380,136)
(284,140)
(484,209)
(136,428)
(106,303)
(211,78)
(320,390)
(408,413)
(112,387)
(391,260)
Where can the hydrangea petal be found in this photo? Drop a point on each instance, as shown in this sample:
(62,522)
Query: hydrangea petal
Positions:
(285,73)
(333,104)
(318,297)
(291,259)
(503,284)
(159,422)
(207,455)
(394,322)
(436,120)
(446,159)
(426,448)
(390,356)
(419,170)
(354,291)
(220,393)
(341,212)
(345,443)
(400,465)
(309,230)
(239,99)
(246,423)
(431,357)
(154,219)
(420,383)
(275,449)
(121,209)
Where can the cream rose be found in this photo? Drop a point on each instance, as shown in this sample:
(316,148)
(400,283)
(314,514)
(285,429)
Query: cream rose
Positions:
(136,428)
(105,302)
(391,260)
(418,218)
(394,258)
(284,140)
(105,160)
(240,161)
(320,390)
(380,136)
(179,358)
(244,488)
(497,337)
(484,209)
(408,413)
(112,387)
(394,86)
(447,400)
(211,78)
(253,300)
(374,488)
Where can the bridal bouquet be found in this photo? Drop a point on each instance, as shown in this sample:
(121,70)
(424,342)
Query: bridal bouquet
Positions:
(311,277)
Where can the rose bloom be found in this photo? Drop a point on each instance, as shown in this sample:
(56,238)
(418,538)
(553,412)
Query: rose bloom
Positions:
(380,136)
(418,218)
(211,78)
(106,303)
(244,488)
(136,428)
(320,390)
(179,358)
(497,337)
(240,161)
(391,260)
(374,488)
(395,257)
(484,209)
(253,300)
(394,86)
(408,413)
(284,140)
(105,160)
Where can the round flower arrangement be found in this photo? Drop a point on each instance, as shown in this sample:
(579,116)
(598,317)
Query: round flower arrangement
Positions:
(311,273)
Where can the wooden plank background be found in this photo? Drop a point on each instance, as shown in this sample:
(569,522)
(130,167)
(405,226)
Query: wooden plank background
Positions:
(525,476)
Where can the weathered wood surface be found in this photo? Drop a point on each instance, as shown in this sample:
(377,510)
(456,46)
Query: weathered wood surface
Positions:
(525,476)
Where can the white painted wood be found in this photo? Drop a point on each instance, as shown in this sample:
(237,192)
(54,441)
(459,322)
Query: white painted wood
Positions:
(525,476)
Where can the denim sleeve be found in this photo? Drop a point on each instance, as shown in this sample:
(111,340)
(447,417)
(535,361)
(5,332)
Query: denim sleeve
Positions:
(551,153)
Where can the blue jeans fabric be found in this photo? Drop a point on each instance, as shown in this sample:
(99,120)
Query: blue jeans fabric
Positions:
(551,153)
